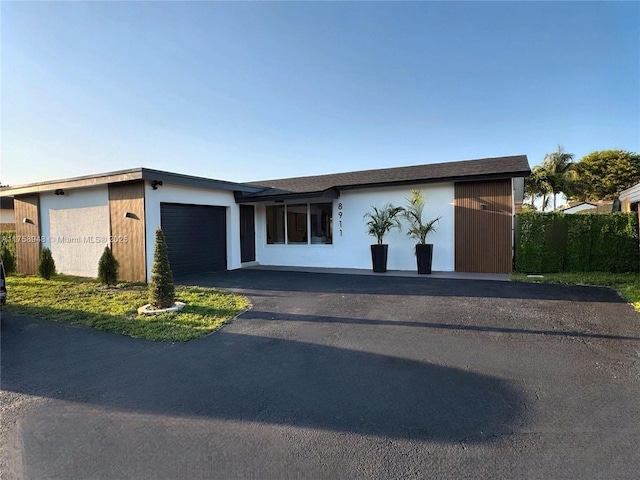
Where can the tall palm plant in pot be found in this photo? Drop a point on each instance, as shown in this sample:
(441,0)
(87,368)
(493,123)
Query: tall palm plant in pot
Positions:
(381,221)
(419,230)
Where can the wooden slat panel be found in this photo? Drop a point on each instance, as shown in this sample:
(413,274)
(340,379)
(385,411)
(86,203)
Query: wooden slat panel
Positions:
(483,226)
(128,198)
(28,252)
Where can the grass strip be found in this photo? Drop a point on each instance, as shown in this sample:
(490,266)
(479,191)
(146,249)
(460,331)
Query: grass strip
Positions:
(628,284)
(81,301)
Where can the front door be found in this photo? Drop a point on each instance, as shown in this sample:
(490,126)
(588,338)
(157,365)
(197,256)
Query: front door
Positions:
(247,234)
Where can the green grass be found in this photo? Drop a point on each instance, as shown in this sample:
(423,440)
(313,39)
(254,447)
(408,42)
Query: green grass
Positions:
(628,284)
(81,301)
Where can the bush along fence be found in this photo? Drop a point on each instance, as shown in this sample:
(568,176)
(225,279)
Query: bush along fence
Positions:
(8,250)
(555,242)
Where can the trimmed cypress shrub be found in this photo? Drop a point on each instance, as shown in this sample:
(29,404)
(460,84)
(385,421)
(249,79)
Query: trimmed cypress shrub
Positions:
(46,267)
(161,289)
(108,268)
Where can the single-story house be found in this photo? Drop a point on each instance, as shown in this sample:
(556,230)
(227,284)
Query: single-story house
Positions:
(315,221)
(600,206)
(630,199)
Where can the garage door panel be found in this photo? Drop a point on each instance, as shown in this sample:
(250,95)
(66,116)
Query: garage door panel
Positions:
(196,237)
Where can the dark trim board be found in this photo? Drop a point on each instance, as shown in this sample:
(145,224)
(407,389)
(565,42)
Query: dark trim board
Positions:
(134,174)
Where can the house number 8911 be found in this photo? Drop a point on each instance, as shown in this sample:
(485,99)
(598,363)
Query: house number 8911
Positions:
(340,217)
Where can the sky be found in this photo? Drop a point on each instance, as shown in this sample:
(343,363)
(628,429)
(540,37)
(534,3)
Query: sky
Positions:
(245,91)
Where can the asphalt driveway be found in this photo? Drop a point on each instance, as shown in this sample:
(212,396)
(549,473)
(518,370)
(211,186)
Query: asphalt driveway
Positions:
(337,376)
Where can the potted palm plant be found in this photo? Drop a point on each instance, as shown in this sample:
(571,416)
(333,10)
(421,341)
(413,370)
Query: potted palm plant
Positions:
(381,221)
(419,230)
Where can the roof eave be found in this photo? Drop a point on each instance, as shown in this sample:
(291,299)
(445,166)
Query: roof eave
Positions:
(335,191)
(453,179)
(127,176)
(198,182)
(76,182)
(281,197)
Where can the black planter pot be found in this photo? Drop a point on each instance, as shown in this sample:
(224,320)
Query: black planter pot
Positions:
(379,257)
(424,255)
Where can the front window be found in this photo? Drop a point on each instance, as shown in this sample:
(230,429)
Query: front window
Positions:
(297,223)
(320,214)
(275,224)
(306,224)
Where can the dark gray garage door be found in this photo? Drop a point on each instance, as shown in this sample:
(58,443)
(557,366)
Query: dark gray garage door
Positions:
(196,237)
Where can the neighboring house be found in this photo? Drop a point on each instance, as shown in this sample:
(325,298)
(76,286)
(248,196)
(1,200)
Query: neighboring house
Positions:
(601,206)
(7,217)
(213,225)
(630,199)
(577,207)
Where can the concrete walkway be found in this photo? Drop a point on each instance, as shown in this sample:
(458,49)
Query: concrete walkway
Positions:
(498,277)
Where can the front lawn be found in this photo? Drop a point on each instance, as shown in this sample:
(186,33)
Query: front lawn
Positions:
(84,301)
(628,284)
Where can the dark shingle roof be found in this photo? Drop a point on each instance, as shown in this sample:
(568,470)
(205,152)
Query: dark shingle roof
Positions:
(486,168)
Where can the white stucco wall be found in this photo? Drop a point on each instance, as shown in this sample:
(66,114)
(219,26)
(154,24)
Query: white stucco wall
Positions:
(75,226)
(7,215)
(351,250)
(195,196)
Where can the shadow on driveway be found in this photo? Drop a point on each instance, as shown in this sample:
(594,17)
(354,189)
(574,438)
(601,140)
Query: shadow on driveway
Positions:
(257,379)
(297,317)
(275,280)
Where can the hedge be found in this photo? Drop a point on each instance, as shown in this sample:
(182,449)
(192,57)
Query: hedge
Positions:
(8,250)
(8,240)
(555,242)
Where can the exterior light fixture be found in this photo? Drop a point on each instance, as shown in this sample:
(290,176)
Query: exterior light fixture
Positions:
(27,220)
(130,215)
(59,192)
(155,184)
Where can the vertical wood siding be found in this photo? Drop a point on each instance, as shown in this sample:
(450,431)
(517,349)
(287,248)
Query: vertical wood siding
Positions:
(27,234)
(483,227)
(128,198)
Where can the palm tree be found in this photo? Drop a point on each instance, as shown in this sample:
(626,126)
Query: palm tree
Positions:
(413,213)
(537,185)
(557,166)
(382,220)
